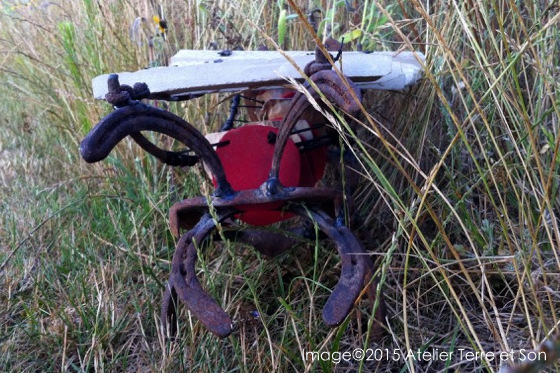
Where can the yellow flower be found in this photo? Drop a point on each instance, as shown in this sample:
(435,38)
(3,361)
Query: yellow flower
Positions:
(161,24)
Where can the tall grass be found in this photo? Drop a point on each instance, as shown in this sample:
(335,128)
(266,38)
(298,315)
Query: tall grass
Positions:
(458,201)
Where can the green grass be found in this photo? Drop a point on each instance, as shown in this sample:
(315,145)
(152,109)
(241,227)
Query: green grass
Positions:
(458,201)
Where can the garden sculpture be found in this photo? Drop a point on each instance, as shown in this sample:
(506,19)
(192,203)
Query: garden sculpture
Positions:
(264,172)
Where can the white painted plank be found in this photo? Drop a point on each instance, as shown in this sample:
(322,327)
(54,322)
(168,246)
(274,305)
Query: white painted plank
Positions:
(198,72)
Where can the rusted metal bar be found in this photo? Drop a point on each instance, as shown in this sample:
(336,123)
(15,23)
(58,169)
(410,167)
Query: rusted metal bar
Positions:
(180,159)
(186,213)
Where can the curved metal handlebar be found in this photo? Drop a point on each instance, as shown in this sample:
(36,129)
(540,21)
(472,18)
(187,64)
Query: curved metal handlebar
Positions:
(135,117)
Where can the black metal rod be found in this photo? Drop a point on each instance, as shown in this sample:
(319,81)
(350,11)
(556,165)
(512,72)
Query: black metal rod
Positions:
(232,113)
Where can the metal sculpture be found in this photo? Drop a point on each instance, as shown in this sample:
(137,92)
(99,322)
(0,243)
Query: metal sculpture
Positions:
(282,188)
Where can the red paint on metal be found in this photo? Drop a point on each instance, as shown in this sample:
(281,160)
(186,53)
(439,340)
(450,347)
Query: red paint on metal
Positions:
(246,160)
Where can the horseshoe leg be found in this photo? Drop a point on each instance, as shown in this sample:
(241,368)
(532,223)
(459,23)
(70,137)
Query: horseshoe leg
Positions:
(184,286)
(357,267)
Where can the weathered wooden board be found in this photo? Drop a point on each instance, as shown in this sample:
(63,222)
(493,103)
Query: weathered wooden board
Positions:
(193,72)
